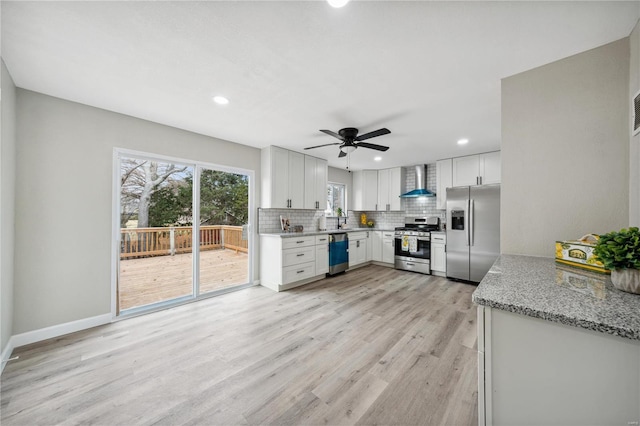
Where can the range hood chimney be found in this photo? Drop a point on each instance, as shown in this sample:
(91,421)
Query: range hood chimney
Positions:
(421,184)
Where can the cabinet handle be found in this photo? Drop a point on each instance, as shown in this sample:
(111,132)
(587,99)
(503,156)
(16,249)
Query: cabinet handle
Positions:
(376,207)
(480,180)
(299,242)
(358,245)
(299,272)
(409,264)
(301,254)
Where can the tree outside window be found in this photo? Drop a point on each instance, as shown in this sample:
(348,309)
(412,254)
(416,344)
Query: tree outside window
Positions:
(336,199)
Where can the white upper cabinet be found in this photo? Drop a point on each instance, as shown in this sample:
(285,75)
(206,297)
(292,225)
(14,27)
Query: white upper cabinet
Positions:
(482,169)
(282,178)
(389,188)
(365,190)
(490,168)
(444,180)
(315,183)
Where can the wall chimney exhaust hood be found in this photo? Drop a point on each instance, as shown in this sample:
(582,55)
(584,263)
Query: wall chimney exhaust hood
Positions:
(421,184)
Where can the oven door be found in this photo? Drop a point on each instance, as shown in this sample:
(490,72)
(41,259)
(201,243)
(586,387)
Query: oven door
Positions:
(422,247)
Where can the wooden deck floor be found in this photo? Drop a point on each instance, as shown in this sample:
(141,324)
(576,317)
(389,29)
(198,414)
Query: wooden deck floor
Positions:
(155,279)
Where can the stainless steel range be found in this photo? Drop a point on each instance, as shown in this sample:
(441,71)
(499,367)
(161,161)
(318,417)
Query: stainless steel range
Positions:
(413,244)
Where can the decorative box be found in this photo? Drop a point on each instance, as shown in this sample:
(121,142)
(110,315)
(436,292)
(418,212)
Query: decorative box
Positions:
(579,253)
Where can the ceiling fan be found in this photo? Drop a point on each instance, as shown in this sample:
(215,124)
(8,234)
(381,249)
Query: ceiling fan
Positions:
(351,140)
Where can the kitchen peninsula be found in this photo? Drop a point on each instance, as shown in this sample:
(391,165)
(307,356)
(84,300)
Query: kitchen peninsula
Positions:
(556,345)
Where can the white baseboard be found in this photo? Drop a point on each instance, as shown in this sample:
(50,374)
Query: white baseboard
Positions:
(6,354)
(58,330)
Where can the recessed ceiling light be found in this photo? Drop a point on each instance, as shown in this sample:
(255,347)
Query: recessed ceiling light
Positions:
(220,100)
(337,3)
(463,141)
(377,158)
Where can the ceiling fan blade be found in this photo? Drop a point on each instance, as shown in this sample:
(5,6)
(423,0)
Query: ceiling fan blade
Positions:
(342,154)
(379,132)
(334,134)
(372,146)
(320,146)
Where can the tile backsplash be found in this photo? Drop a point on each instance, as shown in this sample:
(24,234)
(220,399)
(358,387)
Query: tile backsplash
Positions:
(269,219)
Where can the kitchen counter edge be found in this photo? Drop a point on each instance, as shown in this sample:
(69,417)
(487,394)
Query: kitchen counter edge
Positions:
(533,286)
(312,233)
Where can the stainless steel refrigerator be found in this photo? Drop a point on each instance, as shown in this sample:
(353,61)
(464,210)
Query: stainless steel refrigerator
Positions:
(473,231)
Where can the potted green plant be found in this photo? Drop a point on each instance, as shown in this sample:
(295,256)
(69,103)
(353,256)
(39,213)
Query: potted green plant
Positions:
(620,252)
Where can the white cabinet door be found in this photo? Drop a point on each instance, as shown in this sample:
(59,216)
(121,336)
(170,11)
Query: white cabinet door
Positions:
(369,246)
(322,259)
(296,180)
(490,168)
(387,247)
(365,190)
(438,258)
(482,169)
(362,251)
(283,178)
(358,190)
(279,178)
(466,170)
(321,183)
(443,181)
(357,248)
(370,190)
(389,189)
(395,188)
(376,246)
(315,183)
(310,200)
(383,190)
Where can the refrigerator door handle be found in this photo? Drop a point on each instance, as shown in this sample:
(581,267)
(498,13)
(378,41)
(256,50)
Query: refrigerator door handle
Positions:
(466,225)
(471,210)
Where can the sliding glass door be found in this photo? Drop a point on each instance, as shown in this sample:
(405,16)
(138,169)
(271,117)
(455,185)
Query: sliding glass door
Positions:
(182,232)
(224,218)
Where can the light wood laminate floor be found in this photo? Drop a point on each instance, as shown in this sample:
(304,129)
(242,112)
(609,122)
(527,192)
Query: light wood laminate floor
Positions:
(372,346)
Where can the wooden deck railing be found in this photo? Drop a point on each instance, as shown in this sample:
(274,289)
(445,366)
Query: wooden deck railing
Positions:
(146,242)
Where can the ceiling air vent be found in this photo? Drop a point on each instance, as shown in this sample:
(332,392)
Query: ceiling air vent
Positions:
(636,114)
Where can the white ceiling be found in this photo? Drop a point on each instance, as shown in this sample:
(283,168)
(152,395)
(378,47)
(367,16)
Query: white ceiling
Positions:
(429,71)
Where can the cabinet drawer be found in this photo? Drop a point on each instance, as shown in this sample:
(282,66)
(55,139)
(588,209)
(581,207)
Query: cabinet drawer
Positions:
(288,243)
(322,239)
(295,273)
(296,256)
(438,239)
(353,236)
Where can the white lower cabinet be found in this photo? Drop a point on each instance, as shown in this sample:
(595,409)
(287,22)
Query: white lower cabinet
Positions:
(438,254)
(357,248)
(287,262)
(388,248)
(322,254)
(533,371)
(376,246)
(382,249)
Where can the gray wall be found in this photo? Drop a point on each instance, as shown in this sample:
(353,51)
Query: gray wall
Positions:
(634,148)
(64,201)
(565,150)
(7,205)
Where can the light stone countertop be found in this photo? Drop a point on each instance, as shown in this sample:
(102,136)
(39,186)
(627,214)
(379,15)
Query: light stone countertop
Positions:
(329,231)
(539,287)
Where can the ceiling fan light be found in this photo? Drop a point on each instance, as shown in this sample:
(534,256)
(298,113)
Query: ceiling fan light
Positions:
(337,3)
(348,149)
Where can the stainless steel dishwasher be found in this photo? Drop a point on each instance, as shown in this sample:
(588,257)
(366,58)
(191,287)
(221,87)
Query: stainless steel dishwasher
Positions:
(338,253)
